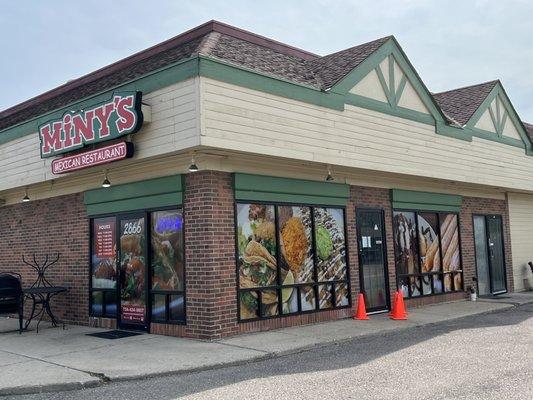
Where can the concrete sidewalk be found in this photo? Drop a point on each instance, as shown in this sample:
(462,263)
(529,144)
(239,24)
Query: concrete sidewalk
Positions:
(57,359)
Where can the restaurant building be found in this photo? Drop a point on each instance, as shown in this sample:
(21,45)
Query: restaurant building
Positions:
(221,182)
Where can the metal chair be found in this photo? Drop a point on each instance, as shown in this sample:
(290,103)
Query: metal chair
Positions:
(11,297)
(41,269)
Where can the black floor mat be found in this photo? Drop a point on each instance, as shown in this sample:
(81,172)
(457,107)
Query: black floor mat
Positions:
(115,334)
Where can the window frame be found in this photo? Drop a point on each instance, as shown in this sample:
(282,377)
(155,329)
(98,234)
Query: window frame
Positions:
(148,217)
(420,274)
(279,286)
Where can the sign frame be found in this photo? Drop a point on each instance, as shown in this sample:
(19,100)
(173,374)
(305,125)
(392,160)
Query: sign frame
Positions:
(100,122)
(84,159)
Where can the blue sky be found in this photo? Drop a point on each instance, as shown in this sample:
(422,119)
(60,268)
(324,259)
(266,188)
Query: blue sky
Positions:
(450,43)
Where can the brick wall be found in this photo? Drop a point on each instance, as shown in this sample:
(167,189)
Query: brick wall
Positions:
(60,224)
(52,225)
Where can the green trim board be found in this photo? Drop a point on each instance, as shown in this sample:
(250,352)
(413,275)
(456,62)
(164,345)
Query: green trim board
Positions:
(153,193)
(444,129)
(237,75)
(494,137)
(287,190)
(393,95)
(379,106)
(413,200)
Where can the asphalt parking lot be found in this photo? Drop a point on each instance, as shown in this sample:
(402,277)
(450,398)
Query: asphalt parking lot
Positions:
(487,356)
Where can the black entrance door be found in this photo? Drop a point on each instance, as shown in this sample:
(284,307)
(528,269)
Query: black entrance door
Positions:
(132,258)
(490,257)
(372,259)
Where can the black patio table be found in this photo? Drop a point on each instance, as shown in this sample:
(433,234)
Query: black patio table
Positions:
(42,296)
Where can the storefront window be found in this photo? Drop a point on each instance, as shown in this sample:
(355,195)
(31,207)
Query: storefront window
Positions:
(427,253)
(166,266)
(104,267)
(288,256)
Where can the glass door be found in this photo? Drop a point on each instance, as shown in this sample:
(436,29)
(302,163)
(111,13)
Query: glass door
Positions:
(133,272)
(482,255)
(490,259)
(372,259)
(495,245)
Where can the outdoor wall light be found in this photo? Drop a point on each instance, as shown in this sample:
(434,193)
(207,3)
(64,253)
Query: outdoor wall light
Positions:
(106,183)
(329,177)
(26,198)
(193,167)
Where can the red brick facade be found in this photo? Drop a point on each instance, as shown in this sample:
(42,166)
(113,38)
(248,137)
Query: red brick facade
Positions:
(60,225)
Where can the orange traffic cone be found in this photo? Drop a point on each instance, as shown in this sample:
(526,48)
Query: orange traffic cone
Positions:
(394,302)
(398,309)
(361,309)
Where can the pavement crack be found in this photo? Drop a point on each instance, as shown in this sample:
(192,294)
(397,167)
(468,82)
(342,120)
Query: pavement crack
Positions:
(244,347)
(98,375)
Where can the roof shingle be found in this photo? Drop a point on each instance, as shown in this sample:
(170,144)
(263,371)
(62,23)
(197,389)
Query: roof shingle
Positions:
(333,67)
(460,104)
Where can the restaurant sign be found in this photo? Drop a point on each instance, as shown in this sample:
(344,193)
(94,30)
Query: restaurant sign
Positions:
(103,155)
(113,118)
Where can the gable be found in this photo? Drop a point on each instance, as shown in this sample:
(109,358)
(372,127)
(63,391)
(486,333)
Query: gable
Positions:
(496,117)
(388,83)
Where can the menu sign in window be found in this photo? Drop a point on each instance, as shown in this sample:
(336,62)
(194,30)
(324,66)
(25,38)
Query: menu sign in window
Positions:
(105,239)
(103,254)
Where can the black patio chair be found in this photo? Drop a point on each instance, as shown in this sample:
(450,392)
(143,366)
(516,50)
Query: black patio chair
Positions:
(11,297)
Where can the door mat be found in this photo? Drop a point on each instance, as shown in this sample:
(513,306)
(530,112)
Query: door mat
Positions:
(114,334)
(496,297)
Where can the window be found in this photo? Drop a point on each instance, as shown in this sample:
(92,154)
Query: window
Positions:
(167,266)
(166,272)
(291,259)
(104,267)
(427,253)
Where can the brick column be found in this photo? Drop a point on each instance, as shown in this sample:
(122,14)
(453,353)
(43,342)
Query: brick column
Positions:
(211,296)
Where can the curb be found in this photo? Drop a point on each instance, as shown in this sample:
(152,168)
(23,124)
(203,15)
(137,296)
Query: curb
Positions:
(103,379)
(53,387)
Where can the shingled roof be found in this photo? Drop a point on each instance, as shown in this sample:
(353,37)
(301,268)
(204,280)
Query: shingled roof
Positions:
(529,129)
(333,67)
(244,49)
(460,104)
(212,39)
